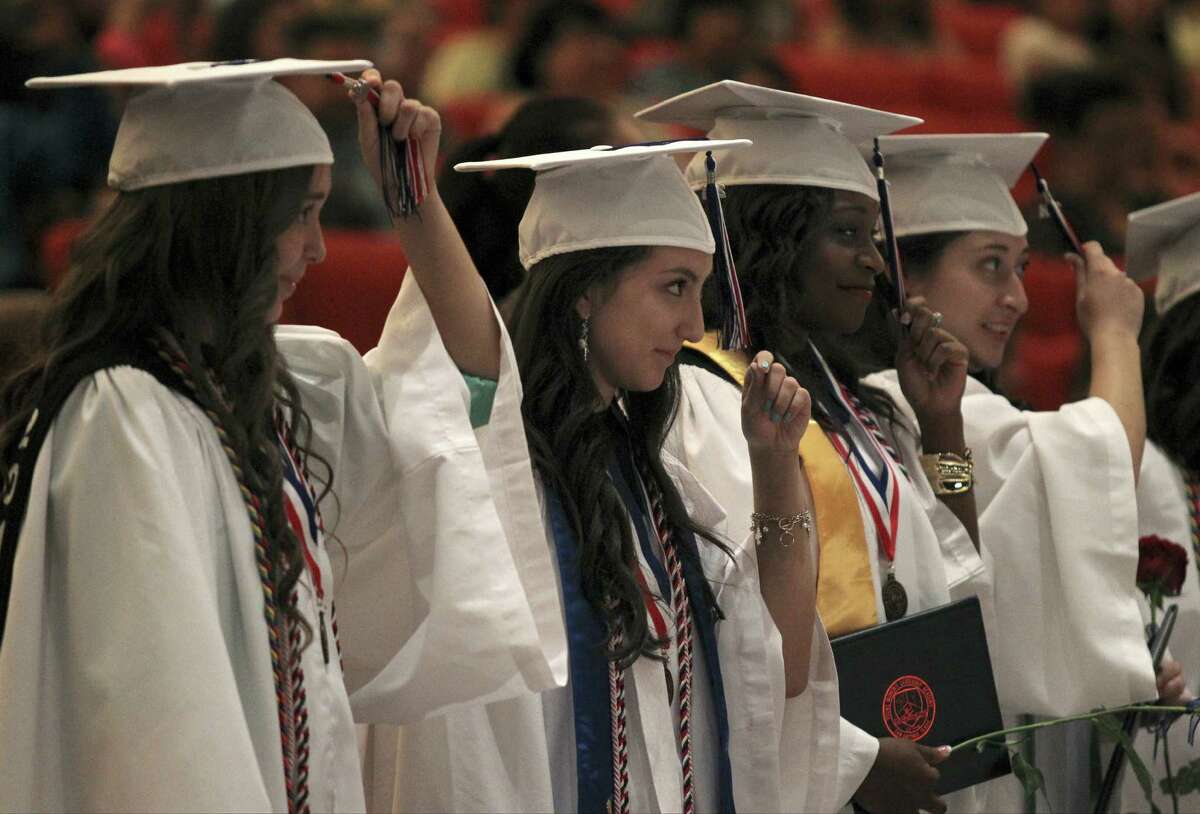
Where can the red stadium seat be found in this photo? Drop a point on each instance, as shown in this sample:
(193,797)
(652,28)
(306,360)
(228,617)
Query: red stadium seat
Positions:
(966,84)
(353,289)
(977,27)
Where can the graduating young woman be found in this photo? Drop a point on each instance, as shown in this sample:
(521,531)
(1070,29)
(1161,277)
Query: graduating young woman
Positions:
(177,468)
(802,208)
(1054,490)
(683,648)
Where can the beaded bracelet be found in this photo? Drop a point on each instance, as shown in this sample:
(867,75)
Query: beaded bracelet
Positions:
(760,522)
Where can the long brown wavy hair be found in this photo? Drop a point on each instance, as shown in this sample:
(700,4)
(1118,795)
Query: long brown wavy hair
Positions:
(195,259)
(570,440)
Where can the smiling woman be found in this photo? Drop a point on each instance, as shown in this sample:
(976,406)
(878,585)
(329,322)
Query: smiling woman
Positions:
(1053,489)
(664,710)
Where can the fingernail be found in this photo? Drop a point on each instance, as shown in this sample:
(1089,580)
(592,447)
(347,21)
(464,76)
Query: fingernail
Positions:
(945,750)
(764,364)
(775,417)
(767,406)
(906,318)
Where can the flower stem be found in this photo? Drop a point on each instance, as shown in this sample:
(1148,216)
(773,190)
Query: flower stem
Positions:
(1084,716)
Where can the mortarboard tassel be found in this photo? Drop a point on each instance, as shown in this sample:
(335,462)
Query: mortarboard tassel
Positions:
(734,332)
(894,282)
(401,165)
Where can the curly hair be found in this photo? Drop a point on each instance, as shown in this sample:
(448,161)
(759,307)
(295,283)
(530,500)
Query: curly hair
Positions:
(569,435)
(1171,369)
(195,259)
(769,230)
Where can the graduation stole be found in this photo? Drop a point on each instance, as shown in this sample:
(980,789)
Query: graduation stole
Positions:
(304,518)
(601,745)
(845,587)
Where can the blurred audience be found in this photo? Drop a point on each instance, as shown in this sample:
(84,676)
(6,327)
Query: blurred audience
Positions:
(717,40)
(1102,157)
(901,25)
(487,207)
(1054,36)
(479,60)
(571,48)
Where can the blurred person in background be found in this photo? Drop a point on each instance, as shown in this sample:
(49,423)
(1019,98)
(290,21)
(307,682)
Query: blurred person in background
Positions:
(571,48)
(254,29)
(1093,117)
(354,201)
(405,42)
(55,146)
(487,208)
(718,39)
(478,61)
(137,33)
(1053,36)
(902,25)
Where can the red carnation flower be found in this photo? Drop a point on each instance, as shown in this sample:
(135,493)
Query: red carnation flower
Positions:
(1162,566)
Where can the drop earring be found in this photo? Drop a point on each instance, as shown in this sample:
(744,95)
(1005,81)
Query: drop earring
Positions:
(583,338)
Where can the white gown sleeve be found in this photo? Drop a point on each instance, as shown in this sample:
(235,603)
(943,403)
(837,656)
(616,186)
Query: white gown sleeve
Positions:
(117,675)
(784,751)
(447,594)
(1058,528)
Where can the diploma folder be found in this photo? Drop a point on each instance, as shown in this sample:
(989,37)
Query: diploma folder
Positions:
(926,677)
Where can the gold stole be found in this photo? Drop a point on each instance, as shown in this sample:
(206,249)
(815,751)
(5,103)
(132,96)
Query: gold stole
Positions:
(845,588)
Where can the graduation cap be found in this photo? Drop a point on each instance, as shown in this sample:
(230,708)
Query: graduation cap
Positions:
(798,140)
(1164,240)
(208,119)
(958,183)
(624,196)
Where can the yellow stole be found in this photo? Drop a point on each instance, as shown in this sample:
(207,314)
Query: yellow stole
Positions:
(845,588)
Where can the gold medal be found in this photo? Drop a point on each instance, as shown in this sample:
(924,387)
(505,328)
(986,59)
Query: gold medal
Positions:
(895,598)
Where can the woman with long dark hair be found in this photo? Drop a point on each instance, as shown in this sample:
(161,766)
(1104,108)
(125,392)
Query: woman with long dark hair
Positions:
(802,208)
(1054,489)
(683,648)
(176,465)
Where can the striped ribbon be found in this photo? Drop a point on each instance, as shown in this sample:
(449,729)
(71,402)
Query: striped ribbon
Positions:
(1191,481)
(283,633)
(870,457)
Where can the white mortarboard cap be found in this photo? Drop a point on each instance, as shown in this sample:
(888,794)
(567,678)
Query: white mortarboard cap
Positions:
(1164,240)
(957,183)
(798,140)
(204,119)
(605,196)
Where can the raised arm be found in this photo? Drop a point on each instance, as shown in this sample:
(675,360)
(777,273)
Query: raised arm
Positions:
(932,368)
(1109,306)
(775,414)
(456,294)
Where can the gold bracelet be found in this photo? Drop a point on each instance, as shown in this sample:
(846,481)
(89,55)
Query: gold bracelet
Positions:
(760,524)
(949,473)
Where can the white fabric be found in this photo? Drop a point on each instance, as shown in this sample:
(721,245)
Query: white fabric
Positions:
(707,438)
(204,120)
(1163,510)
(135,673)
(600,197)
(957,183)
(798,139)
(1164,240)
(519,755)
(1058,527)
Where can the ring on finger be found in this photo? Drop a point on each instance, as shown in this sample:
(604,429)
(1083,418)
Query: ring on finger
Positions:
(937,319)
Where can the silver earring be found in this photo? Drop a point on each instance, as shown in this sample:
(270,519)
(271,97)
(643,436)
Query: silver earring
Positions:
(583,339)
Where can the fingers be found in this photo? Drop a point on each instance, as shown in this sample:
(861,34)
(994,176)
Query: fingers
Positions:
(768,387)
(934,754)
(1171,683)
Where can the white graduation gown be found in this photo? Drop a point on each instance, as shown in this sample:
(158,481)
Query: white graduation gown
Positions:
(934,560)
(1058,527)
(520,755)
(1163,511)
(135,673)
